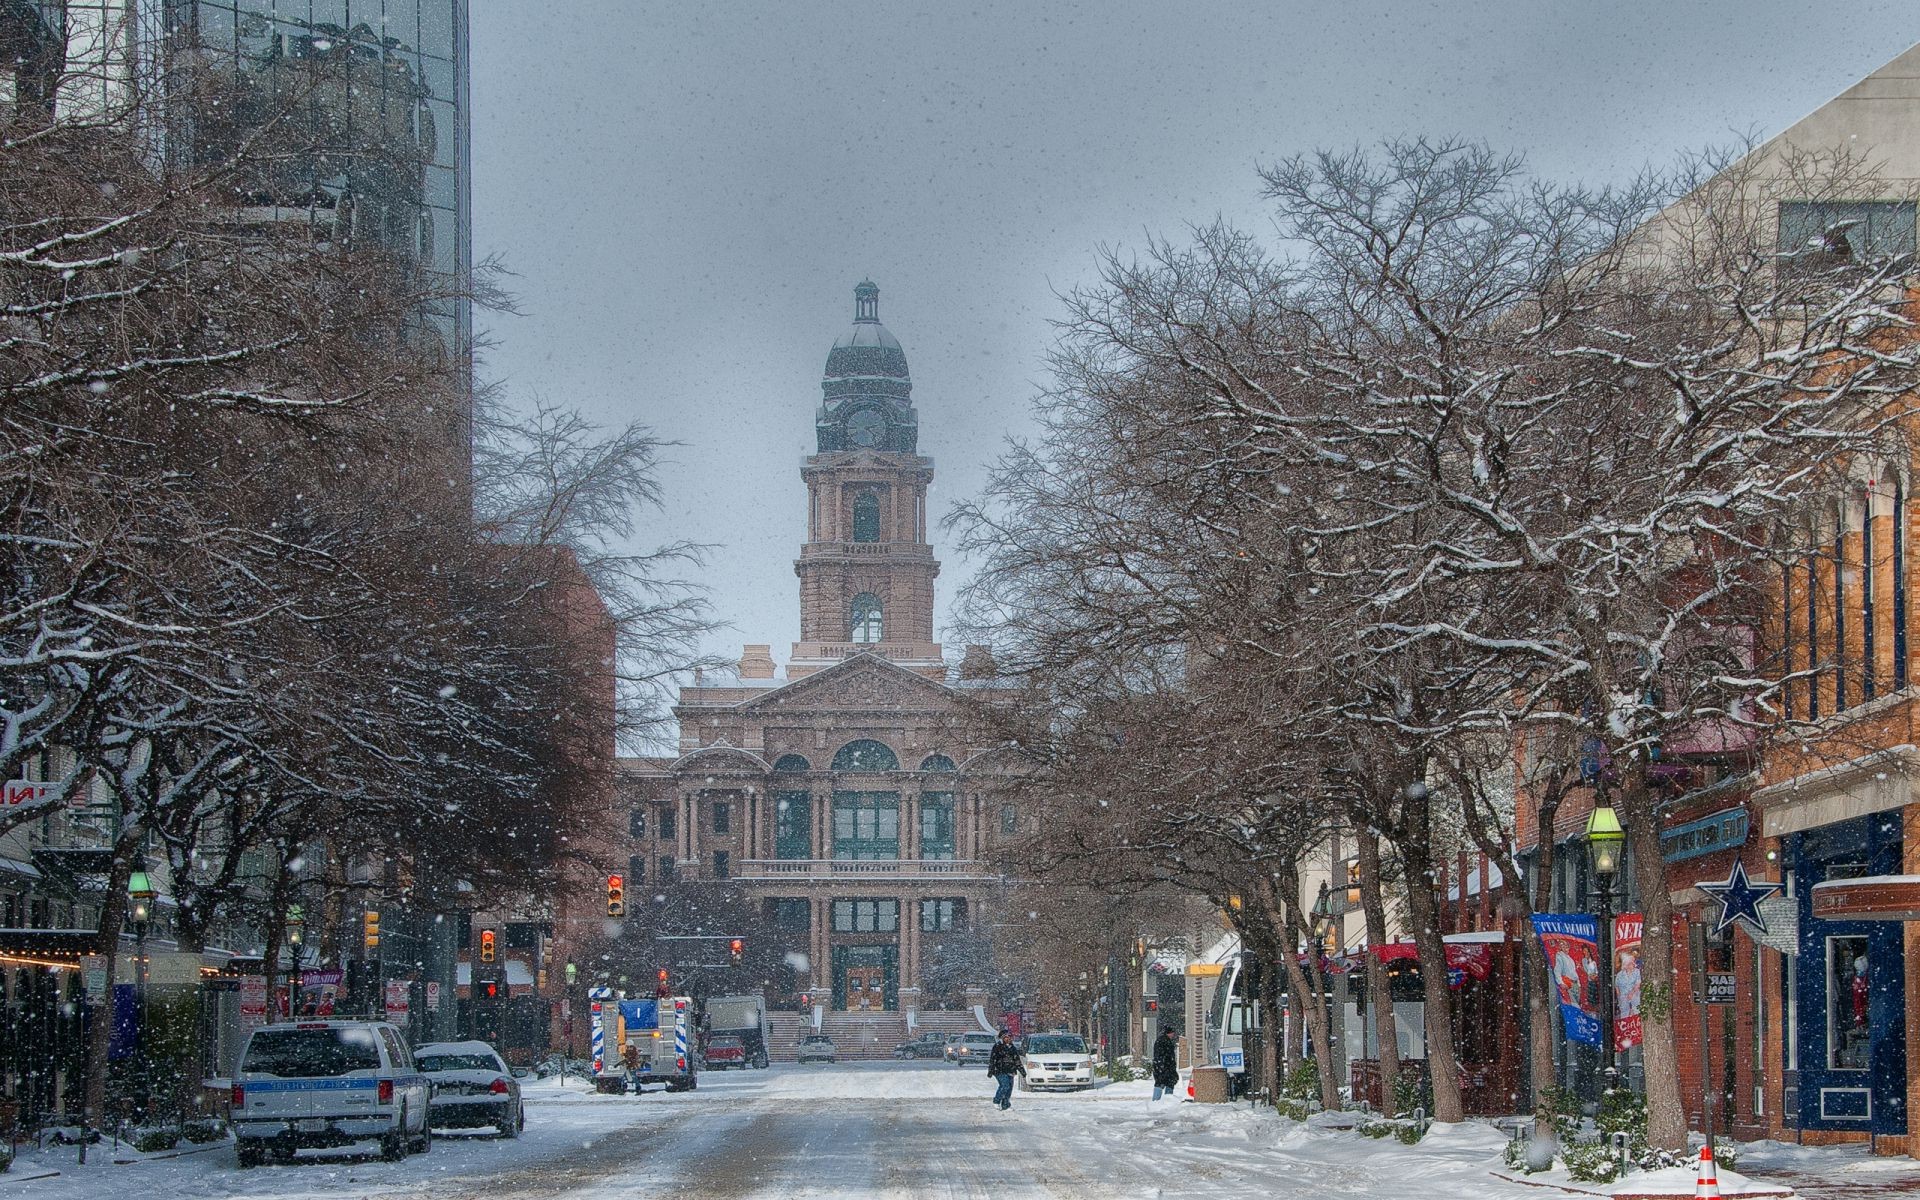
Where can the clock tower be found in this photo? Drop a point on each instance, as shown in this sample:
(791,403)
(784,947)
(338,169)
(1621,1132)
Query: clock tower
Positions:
(866,570)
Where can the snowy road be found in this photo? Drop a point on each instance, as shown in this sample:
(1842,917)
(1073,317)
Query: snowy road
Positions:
(865,1130)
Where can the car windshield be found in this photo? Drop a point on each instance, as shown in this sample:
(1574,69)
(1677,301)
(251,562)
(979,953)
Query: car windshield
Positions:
(1055,1043)
(978,1039)
(318,1052)
(456,1062)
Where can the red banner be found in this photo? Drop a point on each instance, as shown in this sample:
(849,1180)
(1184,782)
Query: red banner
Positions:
(1627,928)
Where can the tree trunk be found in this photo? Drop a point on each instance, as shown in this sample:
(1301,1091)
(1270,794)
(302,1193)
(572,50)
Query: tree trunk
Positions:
(1311,984)
(1379,991)
(1540,995)
(113,913)
(1443,1066)
(1666,1115)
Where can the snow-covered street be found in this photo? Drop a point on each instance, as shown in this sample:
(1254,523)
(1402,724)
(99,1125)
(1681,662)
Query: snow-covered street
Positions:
(906,1129)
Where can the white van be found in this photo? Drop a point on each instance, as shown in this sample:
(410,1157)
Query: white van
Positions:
(328,1083)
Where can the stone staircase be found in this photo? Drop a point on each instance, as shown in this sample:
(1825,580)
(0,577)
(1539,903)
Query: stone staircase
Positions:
(860,1036)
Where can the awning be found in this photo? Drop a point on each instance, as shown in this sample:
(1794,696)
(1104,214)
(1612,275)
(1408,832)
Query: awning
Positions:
(1868,898)
(1469,959)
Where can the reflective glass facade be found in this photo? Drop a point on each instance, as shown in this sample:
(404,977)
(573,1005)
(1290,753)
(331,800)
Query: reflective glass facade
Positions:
(384,87)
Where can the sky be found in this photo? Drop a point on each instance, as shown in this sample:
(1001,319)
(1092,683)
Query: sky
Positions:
(687,193)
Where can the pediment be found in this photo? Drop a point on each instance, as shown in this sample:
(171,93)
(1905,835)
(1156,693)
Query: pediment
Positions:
(720,756)
(863,683)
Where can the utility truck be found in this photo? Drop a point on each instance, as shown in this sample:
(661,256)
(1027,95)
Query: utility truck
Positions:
(743,1017)
(638,1042)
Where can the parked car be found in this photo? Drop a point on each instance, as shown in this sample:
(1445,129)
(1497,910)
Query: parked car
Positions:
(927,1045)
(472,1087)
(328,1083)
(1057,1060)
(726,1052)
(816,1048)
(968,1048)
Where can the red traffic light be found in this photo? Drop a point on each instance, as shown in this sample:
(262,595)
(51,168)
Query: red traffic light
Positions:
(736,947)
(486,945)
(663,974)
(616,896)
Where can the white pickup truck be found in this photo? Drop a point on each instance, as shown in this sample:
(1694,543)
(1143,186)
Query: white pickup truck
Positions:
(328,1083)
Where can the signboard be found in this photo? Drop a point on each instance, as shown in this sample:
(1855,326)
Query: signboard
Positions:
(433,996)
(1234,1060)
(1571,944)
(253,1000)
(93,968)
(1720,987)
(173,968)
(1626,980)
(1206,970)
(27,791)
(397,999)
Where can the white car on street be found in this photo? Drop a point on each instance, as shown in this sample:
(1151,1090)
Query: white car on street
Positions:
(970,1048)
(328,1083)
(1058,1060)
(472,1088)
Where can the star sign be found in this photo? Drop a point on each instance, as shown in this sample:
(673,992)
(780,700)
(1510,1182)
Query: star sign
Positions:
(1739,899)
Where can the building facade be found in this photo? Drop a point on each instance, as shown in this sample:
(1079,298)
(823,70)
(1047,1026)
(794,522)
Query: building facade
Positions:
(843,802)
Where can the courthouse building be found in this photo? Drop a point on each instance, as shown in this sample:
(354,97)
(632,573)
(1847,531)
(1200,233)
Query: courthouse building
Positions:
(840,797)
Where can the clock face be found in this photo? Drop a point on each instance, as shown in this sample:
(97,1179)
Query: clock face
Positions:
(866,427)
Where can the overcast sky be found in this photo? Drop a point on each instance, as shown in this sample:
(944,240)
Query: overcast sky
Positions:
(689,192)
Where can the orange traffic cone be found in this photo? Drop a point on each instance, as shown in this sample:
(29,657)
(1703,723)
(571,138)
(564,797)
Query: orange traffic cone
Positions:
(1189,1088)
(1706,1184)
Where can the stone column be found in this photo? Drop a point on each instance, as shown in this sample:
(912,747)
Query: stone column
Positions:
(910,821)
(821,960)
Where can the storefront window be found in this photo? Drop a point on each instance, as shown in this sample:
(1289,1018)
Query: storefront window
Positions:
(1848,1035)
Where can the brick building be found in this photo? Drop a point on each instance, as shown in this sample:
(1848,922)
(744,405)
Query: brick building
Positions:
(841,802)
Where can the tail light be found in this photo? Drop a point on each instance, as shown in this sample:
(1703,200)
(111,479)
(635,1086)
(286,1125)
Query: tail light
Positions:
(239,1095)
(498,1087)
(386,1091)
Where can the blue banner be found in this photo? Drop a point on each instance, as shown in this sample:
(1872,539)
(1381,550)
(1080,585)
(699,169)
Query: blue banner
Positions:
(1571,942)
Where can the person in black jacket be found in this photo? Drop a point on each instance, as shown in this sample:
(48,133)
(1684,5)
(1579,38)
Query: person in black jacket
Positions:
(1166,1063)
(1002,1064)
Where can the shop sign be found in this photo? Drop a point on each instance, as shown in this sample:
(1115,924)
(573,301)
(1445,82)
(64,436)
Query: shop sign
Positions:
(1721,988)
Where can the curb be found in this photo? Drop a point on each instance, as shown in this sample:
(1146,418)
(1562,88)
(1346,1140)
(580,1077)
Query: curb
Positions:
(1761,1192)
(11,1178)
(164,1154)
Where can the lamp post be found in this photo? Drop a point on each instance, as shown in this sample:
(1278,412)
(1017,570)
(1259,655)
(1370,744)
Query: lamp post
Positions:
(296,935)
(566,1022)
(140,908)
(1605,840)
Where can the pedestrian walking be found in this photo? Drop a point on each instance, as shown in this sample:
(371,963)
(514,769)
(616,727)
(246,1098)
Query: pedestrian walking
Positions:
(1003,1064)
(1166,1063)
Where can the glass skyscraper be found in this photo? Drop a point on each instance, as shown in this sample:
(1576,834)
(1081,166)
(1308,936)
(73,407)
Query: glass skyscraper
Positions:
(380,87)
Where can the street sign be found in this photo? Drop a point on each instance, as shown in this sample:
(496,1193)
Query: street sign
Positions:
(93,967)
(397,999)
(26,791)
(1720,987)
(433,995)
(1233,1060)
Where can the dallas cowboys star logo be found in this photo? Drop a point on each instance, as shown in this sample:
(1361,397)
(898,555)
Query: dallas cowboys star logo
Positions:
(1739,899)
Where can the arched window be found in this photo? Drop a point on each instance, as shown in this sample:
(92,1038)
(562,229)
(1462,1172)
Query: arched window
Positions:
(937,762)
(792,762)
(866,517)
(865,624)
(866,755)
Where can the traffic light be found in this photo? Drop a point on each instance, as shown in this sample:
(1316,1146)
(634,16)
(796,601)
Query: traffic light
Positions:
(616,896)
(660,988)
(491,989)
(370,928)
(735,949)
(486,945)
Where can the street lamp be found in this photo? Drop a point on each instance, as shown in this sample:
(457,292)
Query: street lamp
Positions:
(140,907)
(296,935)
(1605,841)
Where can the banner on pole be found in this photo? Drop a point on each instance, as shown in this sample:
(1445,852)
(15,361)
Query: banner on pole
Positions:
(398,999)
(1627,928)
(1571,943)
(253,1000)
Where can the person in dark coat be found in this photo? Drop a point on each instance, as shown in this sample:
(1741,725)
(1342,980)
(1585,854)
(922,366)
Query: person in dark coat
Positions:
(1003,1064)
(1166,1063)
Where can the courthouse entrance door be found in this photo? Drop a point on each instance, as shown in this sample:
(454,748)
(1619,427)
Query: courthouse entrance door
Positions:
(866,988)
